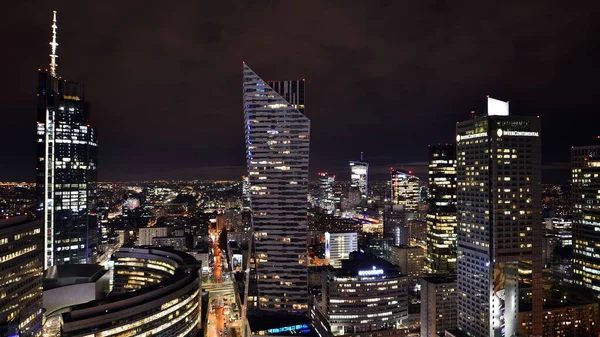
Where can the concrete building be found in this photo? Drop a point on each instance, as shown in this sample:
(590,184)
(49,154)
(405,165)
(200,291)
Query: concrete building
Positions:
(146,234)
(277,148)
(499,219)
(338,247)
(71,284)
(411,260)
(573,318)
(438,305)
(180,243)
(21,269)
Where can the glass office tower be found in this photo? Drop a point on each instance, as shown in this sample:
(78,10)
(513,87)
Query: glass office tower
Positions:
(66,167)
(441,216)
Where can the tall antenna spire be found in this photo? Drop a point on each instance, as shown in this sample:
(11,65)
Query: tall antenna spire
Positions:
(53,44)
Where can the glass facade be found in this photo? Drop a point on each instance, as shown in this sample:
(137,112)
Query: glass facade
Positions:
(359,178)
(277,152)
(405,190)
(66,171)
(586,217)
(326,202)
(441,216)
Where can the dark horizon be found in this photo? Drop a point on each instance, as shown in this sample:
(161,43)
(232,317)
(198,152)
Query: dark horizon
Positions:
(383,78)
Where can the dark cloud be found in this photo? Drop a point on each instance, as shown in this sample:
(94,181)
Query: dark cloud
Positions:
(384,77)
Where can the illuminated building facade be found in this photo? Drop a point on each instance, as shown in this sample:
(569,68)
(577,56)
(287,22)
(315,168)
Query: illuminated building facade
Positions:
(441,216)
(326,202)
(21,271)
(338,247)
(411,260)
(366,297)
(66,168)
(438,305)
(405,190)
(277,150)
(585,163)
(359,178)
(499,219)
(161,296)
(573,318)
(395,225)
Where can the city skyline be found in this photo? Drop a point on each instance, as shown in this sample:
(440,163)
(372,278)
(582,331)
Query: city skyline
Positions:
(413,86)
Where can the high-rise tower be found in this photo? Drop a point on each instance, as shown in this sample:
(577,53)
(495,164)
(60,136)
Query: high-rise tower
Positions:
(359,178)
(585,162)
(441,216)
(405,190)
(66,166)
(499,219)
(326,201)
(277,148)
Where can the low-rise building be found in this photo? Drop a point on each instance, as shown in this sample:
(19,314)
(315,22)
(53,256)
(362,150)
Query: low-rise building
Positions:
(438,305)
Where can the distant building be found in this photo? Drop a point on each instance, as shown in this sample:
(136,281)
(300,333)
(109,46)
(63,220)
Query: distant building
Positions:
(21,269)
(405,190)
(395,225)
(574,318)
(441,217)
(585,162)
(326,198)
(356,297)
(180,243)
(146,234)
(438,305)
(379,247)
(338,247)
(411,260)
(359,178)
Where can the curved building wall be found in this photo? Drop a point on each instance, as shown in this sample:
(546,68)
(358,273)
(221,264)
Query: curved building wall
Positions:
(359,304)
(170,307)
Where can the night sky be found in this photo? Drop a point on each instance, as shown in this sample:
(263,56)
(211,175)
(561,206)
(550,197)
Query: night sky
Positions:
(384,77)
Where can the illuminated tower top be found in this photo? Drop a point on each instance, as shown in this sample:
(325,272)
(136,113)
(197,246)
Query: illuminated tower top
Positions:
(53,44)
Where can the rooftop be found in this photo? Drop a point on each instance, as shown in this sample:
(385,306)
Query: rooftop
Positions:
(439,279)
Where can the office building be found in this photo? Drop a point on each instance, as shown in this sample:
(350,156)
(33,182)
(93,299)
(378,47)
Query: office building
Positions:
(338,247)
(146,234)
(438,305)
(395,225)
(277,152)
(411,260)
(367,297)
(573,318)
(405,190)
(499,219)
(441,216)
(66,167)
(161,296)
(585,163)
(21,270)
(326,198)
(359,178)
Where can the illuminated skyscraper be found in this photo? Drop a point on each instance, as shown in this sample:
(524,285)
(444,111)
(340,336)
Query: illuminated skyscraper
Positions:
(66,167)
(277,148)
(359,178)
(405,190)
(326,199)
(441,217)
(585,161)
(499,219)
